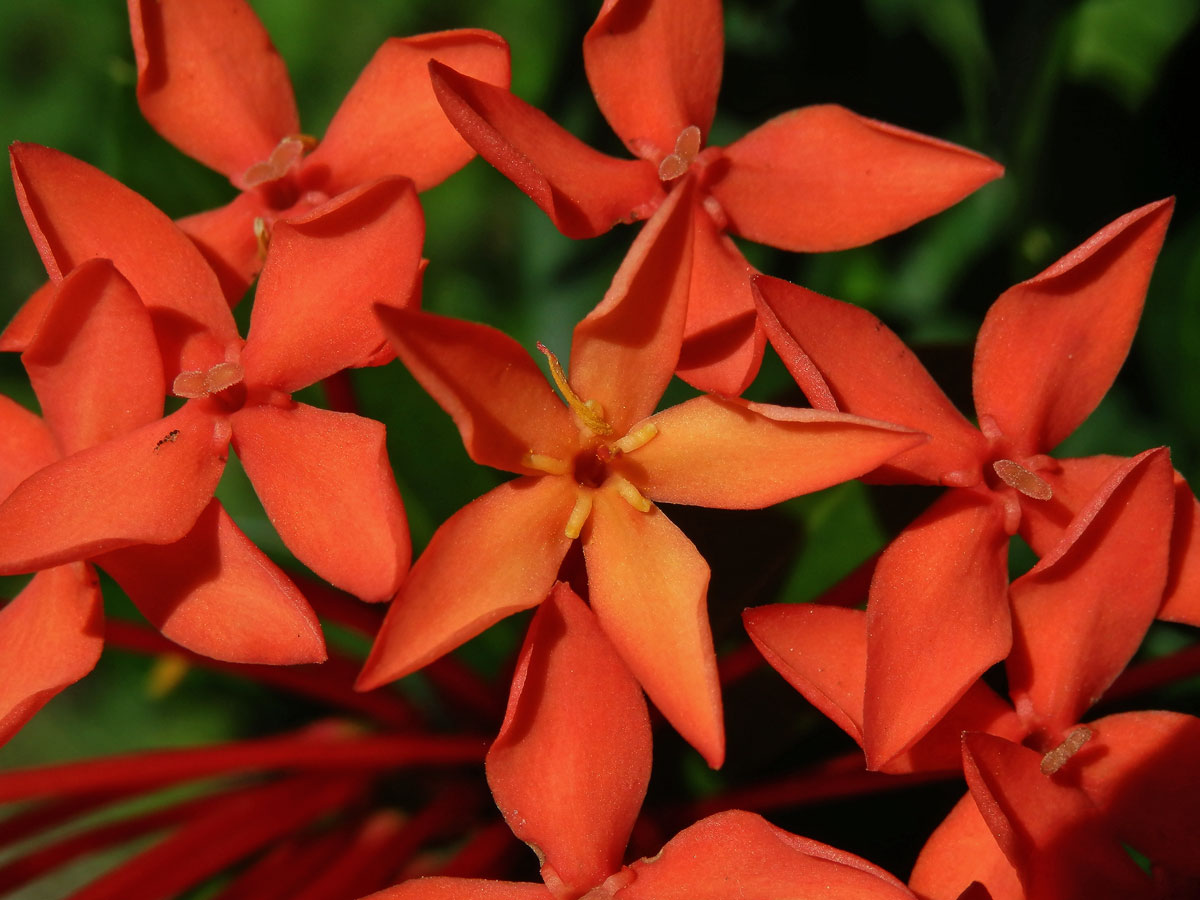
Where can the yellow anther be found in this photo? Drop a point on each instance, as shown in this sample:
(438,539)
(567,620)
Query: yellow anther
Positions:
(687,145)
(1017,476)
(548,464)
(165,674)
(285,155)
(589,412)
(195,384)
(579,514)
(629,493)
(1057,758)
(639,437)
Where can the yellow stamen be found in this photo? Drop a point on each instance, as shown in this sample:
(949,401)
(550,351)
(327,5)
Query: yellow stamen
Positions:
(200,384)
(548,464)
(262,236)
(629,493)
(1017,476)
(579,514)
(639,437)
(1057,758)
(285,155)
(589,412)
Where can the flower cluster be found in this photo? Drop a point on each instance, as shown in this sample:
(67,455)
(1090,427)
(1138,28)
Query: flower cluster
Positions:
(157,346)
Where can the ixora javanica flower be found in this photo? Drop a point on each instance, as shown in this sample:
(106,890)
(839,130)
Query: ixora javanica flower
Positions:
(569,771)
(1051,799)
(143,497)
(814,179)
(211,82)
(593,469)
(1047,353)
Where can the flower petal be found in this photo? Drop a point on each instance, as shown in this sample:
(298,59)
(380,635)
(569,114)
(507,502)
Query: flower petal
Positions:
(313,309)
(722,340)
(1138,769)
(960,851)
(211,82)
(624,352)
(24,325)
(326,484)
(52,633)
(492,558)
(583,191)
(1073,482)
(1051,346)
(739,848)
(94,363)
(1181,601)
(823,178)
(76,212)
(732,454)
(655,68)
(1102,585)
(26,445)
(146,486)
(225,238)
(218,595)
(941,584)
(1051,832)
(570,765)
(501,402)
(391,123)
(647,584)
(822,342)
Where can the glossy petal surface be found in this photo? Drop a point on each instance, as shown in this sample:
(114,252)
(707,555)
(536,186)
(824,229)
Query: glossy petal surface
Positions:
(327,486)
(741,854)
(583,191)
(647,584)
(941,584)
(391,123)
(737,455)
(147,486)
(624,352)
(52,633)
(1103,587)
(655,68)
(823,178)
(217,594)
(500,400)
(822,342)
(313,311)
(570,766)
(513,539)
(76,212)
(1051,346)
(210,81)
(94,363)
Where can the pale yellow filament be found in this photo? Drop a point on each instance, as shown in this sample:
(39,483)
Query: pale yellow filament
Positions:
(579,514)
(589,412)
(629,493)
(639,437)
(548,464)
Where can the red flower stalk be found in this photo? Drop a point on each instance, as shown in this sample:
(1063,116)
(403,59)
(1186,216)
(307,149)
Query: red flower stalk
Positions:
(569,770)
(815,179)
(593,469)
(1060,806)
(1046,354)
(323,477)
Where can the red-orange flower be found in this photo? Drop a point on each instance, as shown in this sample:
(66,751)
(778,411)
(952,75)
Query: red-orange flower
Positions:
(813,179)
(323,477)
(1046,354)
(569,770)
(593,469)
